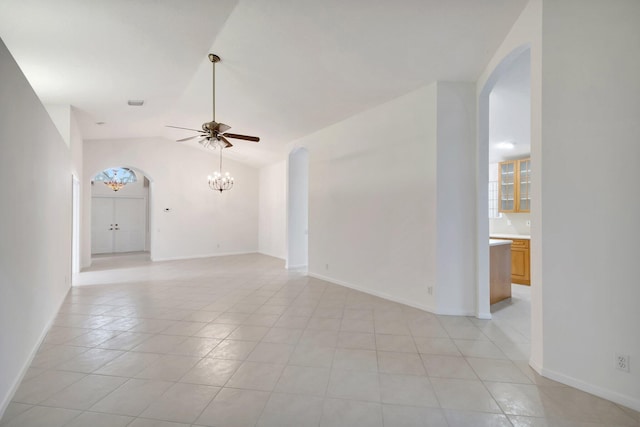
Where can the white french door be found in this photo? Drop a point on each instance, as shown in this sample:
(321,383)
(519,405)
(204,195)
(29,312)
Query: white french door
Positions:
(118,224)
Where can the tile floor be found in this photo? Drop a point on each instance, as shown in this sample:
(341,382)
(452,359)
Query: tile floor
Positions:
(239,341)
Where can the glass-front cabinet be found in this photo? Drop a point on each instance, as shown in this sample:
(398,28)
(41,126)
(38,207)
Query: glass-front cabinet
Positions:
(515,186)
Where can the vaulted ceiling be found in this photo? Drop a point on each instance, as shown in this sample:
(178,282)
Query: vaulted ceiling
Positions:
(289,67)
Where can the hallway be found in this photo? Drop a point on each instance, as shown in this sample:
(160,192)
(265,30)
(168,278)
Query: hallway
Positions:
(240,341)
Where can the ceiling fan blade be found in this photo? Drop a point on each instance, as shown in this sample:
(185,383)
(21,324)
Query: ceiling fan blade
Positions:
(177,127)
(227,144)
(223,128)
(245,137)
(187,139)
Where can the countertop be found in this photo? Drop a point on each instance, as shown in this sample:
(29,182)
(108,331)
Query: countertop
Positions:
(494,242)
(511,236)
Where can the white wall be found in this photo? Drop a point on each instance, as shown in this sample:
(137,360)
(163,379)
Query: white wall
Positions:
(456,135)
(200,222)
(372,213)
(272,210)
(298,209)
(591,150)
(373,199)
(35,224)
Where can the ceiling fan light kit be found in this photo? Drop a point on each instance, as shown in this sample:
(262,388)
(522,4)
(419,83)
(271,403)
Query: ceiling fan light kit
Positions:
(213,134)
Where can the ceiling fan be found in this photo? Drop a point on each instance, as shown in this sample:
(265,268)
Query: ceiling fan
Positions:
(213,133)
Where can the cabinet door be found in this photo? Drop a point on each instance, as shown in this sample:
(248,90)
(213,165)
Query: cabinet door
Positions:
(524,185)
(507,186)
(520,265)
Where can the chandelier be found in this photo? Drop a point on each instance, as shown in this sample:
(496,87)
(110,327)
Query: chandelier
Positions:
(218,181)
(116,178)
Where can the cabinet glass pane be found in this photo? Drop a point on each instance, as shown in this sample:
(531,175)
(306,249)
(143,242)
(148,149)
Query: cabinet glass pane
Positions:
(507,186)
(525,185)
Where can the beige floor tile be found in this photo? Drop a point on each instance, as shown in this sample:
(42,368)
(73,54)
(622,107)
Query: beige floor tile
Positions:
(319,338)
(146,422)
(50,356)
(84,393)
(181,403)
(304,380)
(90,360)
(464,395)
(42,416)
(168,367)
(411,390)
(271,353)
(475,348)
(290,410)
(97,419)
(195,346)
(159,344)
(13,410)
(355,360)
(216,330)
(249,333)
(448,367)
(234,408)
(132,397)
(214,372)
(283,335)
(356,340)
(354,385)
(128,364)
(184,328)
(314,356)
(232,349)
(475,419)
(124,341)
(256,376)
(43,386)
(391,362)
(498,370)
(408,416)
(438,346)
(351,413)
(398,343)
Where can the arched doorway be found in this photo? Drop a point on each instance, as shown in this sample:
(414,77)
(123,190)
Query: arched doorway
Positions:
(482,191)
(120,220)
(298,209)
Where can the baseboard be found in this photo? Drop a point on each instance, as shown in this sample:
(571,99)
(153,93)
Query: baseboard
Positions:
(296,267)
(178,258)
(374,293)
(604,393)
(25,367)
(272,255)
(484,316)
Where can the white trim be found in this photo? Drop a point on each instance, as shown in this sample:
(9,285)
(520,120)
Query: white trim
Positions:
(177,258)
(25,367)
(622,399)
(297,267)
(374,293)
(484,316)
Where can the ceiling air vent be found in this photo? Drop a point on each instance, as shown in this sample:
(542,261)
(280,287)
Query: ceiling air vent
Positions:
(136,102)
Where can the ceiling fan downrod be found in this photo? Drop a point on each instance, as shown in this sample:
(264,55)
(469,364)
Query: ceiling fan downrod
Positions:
(214,58)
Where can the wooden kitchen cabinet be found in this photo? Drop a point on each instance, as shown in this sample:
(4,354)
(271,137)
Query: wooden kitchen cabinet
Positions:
(514,186)
(520,261)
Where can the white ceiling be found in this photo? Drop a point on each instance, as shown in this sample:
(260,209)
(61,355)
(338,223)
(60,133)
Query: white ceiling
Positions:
(289,67)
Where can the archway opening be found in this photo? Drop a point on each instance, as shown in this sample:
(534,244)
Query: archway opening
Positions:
(493,130)
(120,214)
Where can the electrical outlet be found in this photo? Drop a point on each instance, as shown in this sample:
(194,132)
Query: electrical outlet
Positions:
(622,362)
(326,266)
(528,223)
(508,222)
(430,290)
